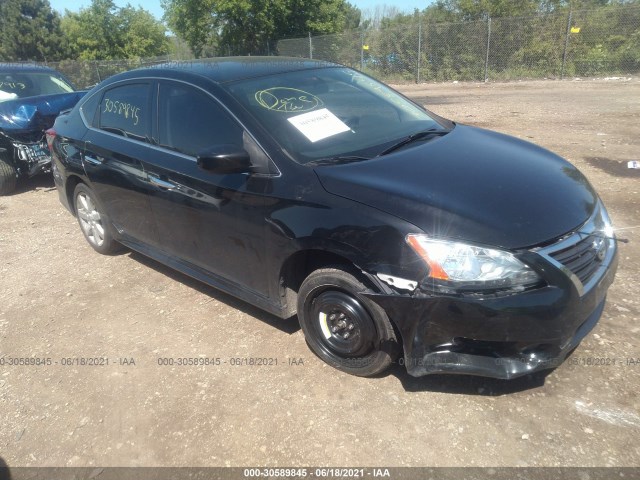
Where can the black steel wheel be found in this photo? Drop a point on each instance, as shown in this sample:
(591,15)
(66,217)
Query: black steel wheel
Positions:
(342,327)
(8,177)
(93,222)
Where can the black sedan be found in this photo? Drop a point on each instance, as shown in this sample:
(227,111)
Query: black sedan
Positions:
(309,188)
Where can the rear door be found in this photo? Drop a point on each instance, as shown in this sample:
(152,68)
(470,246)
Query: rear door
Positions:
(114,149)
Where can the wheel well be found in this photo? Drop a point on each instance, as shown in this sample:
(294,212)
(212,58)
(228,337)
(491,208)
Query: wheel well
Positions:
(6,152)
(71,184)
(298,267)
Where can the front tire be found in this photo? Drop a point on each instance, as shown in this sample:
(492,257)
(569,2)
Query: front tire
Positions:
(344,328)
(8,177)
(93,222)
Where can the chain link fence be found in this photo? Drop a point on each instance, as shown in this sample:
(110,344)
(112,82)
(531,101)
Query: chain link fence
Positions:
(87,73)
(605,41)
(600,42)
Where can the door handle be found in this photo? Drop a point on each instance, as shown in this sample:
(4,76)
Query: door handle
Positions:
(161,183)
(93,161)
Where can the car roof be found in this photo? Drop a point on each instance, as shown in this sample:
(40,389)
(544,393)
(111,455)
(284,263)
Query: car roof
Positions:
(25,68)
(229,69)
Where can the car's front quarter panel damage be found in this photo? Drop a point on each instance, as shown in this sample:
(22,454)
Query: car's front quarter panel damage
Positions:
(500,334)
(497,335)
(302,218)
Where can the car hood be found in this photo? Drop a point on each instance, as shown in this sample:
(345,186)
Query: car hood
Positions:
(35,113)
(474,185)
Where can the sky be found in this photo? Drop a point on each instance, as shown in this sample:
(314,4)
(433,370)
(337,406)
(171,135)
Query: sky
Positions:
(155,8)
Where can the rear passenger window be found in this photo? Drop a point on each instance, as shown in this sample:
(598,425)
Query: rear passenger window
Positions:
(189,121)
(89,110)
(124,111)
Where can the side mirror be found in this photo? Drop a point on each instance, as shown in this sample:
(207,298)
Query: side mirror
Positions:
(225,159)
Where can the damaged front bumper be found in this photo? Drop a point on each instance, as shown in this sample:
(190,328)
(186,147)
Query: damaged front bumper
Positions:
(23,122)
(500,336)
(35,156)
(28,153)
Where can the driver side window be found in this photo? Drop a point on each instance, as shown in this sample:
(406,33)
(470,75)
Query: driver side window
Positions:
(189,121)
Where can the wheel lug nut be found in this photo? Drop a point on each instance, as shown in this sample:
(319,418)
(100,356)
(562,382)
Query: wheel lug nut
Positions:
(332,316)
(334,329)
(351,327)
(346,335)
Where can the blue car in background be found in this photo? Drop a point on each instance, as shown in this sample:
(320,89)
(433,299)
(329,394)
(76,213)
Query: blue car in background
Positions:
(31,97)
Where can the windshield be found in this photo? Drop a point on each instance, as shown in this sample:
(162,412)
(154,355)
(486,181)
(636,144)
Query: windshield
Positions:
(20,85)
(331,113)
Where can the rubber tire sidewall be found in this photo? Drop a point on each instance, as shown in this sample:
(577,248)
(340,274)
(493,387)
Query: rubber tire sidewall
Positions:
(110,245)
(340,280)
(8,178)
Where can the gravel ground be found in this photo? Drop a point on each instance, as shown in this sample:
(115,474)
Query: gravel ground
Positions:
(60,300)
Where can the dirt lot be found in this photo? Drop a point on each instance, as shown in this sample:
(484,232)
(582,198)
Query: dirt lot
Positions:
(61,300)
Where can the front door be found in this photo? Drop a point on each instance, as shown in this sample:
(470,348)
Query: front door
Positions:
(213,221)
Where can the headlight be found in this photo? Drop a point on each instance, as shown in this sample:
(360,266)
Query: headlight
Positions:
(607,228)
(460,264)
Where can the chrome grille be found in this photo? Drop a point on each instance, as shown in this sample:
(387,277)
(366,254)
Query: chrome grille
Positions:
(33,153)
(583,255)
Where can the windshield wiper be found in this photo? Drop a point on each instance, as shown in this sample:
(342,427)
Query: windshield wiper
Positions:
(412,138)
(341,159)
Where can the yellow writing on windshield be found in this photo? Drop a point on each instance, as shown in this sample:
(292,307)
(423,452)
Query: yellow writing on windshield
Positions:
(126,110)
(285,99)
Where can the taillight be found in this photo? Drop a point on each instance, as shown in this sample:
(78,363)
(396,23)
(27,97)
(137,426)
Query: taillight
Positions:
(51,135)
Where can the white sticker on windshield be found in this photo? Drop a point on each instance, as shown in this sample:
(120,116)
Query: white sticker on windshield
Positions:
(318,124)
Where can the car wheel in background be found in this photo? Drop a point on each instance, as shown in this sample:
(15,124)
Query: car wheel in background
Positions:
(345,329)
(8,177)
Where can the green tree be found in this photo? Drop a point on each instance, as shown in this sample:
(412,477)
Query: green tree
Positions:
(353,17)
(104,32)
(254,26)
(452,10)
(194,21)
(141,34)
(247,25)
(481,9)
(29,30)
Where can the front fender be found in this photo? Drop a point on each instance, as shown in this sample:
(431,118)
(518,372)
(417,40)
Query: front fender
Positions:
(371,240)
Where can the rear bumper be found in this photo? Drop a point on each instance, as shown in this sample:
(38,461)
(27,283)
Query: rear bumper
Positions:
(496,337)
(59,181)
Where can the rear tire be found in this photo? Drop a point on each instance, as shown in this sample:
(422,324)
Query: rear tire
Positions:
(344,328)
(8,177)
(95,225)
